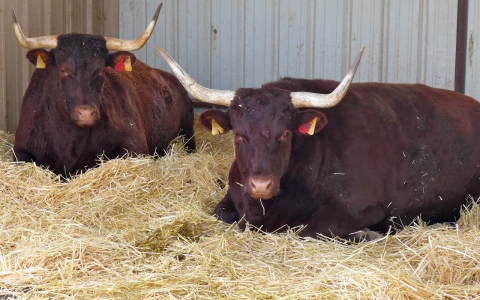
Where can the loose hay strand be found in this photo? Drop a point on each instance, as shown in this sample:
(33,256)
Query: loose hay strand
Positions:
(142,228)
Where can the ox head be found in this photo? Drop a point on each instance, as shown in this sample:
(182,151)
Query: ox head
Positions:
(265,123)
(77,64)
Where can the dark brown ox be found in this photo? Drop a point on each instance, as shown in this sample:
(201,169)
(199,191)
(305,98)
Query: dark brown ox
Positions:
(385,155)
(84,102)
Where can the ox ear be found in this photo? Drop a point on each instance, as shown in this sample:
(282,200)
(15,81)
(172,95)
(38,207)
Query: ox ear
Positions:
(215,121)
(122,61)
(310,121)
(40,58)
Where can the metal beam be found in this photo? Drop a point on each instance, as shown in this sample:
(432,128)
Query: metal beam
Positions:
(461,48)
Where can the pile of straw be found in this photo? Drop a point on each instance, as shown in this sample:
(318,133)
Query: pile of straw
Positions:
(139,228)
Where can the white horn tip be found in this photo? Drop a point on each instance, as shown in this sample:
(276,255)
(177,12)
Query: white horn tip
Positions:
(164,54)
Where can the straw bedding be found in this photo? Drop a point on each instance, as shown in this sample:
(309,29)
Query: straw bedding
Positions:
(142,228)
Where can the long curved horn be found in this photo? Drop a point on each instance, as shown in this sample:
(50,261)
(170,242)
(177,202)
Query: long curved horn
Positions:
(220,97)
(306,99)
(47,42)
(131,45)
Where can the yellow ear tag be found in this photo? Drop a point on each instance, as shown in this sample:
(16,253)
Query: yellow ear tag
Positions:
(128,64)
(313,122)
(216,129)
(40,63)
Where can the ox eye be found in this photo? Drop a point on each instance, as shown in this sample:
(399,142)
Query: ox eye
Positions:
(240,138)
(286,134)
(63,72)
(100,73)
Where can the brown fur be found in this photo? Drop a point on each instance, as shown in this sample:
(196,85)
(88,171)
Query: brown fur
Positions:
(136,112)
(385,155)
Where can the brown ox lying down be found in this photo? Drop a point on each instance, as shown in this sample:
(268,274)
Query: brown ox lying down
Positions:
(310,153)
(83,102)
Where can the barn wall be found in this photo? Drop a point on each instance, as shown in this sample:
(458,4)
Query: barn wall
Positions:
(472,78)
(43,17)
(235,43)
(243,43)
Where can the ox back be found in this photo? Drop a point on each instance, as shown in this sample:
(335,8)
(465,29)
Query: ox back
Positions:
(385,155)
(84,103)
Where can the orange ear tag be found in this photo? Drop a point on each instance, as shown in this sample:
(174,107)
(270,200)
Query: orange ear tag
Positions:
(308,127)
(216,129)
(40,63)
(128,64)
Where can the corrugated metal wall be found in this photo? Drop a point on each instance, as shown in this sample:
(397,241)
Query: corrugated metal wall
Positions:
(43,17)
(243,43)
(228,44)
(472,78)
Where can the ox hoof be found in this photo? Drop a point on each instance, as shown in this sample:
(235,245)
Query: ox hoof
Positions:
(364,235)
(226,215)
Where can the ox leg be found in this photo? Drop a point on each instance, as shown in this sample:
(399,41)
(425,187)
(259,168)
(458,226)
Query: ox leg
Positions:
(131,147)
(226,210)
(188,132)
(19,156)
(120,152)
(334,221)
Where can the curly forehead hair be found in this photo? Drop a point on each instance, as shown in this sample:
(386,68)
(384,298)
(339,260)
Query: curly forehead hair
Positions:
(82,45)
(252,99)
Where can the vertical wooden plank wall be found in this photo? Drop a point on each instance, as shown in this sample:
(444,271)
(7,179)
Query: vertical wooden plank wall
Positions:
(43,17)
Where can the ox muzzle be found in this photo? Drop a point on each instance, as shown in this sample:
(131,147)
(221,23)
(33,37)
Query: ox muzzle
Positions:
(262,187)
(85,115)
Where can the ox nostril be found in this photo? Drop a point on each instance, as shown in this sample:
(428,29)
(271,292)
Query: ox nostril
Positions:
(268,184)
(84,115)
(85,112)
